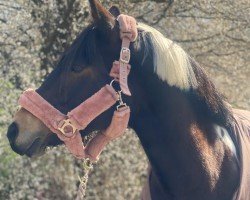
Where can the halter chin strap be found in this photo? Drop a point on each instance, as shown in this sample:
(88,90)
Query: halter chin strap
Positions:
(67,127)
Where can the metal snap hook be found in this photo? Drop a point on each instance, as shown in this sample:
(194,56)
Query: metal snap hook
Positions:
(120,100)
(121,103)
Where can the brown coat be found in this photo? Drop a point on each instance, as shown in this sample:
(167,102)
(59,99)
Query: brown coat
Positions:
(241,126)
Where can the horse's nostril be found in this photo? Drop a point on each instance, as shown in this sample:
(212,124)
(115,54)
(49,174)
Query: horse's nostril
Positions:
(12,132)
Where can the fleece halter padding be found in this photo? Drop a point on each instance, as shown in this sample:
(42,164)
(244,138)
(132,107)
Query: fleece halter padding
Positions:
(67,127)
(128,33)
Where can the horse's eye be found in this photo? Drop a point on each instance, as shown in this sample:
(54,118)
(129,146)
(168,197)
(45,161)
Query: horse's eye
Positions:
(77,68)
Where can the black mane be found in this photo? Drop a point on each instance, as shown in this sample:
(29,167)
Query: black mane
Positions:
(211,101)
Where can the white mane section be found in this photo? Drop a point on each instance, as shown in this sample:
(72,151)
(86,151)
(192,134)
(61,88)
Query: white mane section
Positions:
(171,62)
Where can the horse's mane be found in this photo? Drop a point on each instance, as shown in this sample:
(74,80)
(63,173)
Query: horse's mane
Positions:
(174,66)
(171,63)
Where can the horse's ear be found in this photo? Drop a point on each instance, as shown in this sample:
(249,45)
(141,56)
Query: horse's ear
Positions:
(102,18)
(114,10)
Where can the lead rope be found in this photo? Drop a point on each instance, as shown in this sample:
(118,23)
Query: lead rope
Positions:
(88,165)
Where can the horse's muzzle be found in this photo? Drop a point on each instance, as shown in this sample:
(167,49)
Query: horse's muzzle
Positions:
(12,134)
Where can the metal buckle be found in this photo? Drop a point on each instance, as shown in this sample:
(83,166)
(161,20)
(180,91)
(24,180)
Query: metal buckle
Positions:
(66,123)
(125,55)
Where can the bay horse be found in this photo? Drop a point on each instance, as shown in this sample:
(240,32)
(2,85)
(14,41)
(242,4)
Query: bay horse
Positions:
(182,121)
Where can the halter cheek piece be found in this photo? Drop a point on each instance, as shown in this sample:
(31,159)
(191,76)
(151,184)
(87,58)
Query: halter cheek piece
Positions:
(67,127)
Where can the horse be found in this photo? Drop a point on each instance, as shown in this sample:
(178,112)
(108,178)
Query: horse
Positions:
(184,124)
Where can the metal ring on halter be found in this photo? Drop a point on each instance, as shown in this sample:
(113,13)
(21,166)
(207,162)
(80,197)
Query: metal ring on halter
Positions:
(66,123)
(111,82)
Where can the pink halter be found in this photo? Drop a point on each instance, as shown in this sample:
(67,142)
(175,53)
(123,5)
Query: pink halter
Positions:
(67,127)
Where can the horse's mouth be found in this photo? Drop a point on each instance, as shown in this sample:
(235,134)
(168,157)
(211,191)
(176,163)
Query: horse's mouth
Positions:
(35,149)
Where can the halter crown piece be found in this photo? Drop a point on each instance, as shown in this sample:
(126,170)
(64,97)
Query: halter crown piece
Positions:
(67,127)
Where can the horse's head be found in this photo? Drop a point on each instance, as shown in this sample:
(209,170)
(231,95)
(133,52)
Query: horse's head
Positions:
(82,70)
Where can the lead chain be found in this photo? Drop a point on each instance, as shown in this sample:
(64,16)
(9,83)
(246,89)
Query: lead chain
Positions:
(87,167)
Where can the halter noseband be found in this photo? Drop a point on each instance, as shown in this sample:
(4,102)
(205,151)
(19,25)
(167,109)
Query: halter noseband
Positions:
(67,127)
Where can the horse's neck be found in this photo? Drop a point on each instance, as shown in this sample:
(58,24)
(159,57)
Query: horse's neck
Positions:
(166,135)
(180,144)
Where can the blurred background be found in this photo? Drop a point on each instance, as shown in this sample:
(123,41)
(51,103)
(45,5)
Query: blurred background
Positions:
(33,34)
